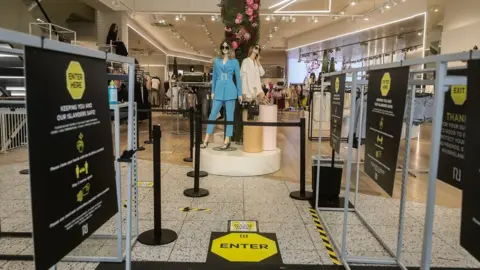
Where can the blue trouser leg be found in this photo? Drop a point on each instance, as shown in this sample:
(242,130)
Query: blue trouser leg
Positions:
(230,104)
(217,105)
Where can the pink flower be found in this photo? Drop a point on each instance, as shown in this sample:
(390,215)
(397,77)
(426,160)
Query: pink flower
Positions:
(249,11)
(237,21)
(247,36)
(255,6)
(239,16)
(234,45)
(228,29)
(249,2)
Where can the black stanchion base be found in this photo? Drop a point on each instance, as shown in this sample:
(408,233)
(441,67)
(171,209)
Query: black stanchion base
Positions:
(25,171)
(148,142)
(192,174)
(141,148)
(298,196)
(166,236)
(188,159)
(191,193)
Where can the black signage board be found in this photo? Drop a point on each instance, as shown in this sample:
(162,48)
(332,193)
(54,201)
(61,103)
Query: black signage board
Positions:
(452,142)
(315,87)
(70,146)
(387,90)
(470,226)
(337,100)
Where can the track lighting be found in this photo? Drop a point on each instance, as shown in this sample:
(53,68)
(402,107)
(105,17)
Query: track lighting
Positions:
(315,20)
(275,28)
(177,18)
(132,15)
(353,2)
(419,33)
(115,2)
(388,5)
(268,18)
(335,17)
(342,12)
(292,19)
(366,18)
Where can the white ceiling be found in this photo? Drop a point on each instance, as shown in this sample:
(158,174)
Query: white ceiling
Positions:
(193,32)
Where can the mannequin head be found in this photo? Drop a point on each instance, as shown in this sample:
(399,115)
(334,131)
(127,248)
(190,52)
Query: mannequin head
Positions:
(226,49)
(254,50)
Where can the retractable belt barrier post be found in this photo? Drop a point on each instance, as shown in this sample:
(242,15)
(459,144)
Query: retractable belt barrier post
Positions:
(196,191)
(192,132)
(302,194)
(157,236)
(150,140)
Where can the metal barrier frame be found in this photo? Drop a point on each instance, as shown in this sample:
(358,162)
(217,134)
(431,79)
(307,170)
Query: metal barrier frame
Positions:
(39,42)
(441,83)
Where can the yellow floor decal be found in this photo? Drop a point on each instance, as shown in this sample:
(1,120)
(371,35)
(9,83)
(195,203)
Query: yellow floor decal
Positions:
(324,236)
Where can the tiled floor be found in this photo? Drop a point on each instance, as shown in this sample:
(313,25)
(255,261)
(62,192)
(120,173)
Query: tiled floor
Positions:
(253,198)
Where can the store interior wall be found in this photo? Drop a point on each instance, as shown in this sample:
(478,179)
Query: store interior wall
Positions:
(460,26)
(14,15)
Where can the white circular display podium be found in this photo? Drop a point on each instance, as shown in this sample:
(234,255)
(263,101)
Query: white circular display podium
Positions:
(239,163)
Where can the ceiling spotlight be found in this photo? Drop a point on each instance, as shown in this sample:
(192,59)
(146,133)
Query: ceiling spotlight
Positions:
(271,35)
(114,2)
(366,18)
(394,3)
(284,18)
(274,19)
(292,19)
(419,33)
(315,20)
(335,17)
(275,28)
(268,18)
(353,2)
(183,17)
(177,18)
(132,15)
(387,5)
(342,12)
(435,9)
(353,19)
(213,18)
(382,10)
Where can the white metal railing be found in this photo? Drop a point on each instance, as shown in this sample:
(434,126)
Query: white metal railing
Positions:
(53,31)
(13,129)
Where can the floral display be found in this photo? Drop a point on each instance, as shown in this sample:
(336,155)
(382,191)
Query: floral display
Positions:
(242,24)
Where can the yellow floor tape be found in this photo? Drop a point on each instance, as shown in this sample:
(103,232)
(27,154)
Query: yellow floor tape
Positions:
(324,236)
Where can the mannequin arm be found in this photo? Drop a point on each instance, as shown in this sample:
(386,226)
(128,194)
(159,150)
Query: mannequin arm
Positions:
(262,71)
(245,84)
(214,78)
(238,78)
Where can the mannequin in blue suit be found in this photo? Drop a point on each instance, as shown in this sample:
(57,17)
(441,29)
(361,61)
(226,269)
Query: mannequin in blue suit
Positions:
(224,91)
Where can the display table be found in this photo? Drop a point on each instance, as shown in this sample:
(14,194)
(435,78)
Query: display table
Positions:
(239,163)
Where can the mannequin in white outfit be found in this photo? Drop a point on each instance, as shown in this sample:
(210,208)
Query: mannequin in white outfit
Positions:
(251,71)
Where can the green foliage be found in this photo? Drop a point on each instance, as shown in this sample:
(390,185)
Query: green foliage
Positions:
(242,24)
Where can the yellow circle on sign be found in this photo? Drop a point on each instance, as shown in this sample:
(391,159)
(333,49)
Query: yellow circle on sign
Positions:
(75,80)
(385,84)
(337,85)
(244,247)
(459,94)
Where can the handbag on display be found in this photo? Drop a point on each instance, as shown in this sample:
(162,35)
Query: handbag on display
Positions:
(253,110)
